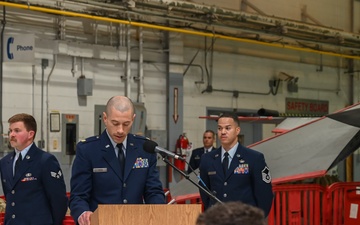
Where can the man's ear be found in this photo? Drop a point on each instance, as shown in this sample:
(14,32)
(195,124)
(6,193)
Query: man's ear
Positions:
(32,134)
(104,117)
(238,129)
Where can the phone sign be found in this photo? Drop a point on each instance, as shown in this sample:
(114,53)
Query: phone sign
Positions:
(19,48)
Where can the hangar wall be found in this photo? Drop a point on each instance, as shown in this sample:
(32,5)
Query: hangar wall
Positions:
(230,72)
(236,66)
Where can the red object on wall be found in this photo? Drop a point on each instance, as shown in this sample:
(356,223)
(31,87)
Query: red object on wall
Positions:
(182,144)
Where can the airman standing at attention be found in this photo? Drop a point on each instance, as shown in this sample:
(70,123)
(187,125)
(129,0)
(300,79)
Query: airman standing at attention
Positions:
(32,179)
(234,172)
(208,141)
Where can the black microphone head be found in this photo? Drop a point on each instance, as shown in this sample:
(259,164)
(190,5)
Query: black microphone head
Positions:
(149,146)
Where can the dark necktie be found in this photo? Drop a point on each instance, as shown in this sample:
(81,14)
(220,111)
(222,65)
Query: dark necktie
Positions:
(17,163)
(121,157)
(225,163)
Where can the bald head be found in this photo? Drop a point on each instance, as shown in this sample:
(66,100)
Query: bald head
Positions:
(120,103)
(119,117)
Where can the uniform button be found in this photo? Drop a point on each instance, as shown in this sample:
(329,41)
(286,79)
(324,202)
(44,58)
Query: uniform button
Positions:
(124,201)
(13,216)
(13,204)
(225,195)
(124,185)
(13,192)
(225,183)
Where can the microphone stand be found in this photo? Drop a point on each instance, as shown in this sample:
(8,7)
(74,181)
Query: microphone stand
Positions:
(209,194)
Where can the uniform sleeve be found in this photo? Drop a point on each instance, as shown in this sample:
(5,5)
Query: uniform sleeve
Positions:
(154,193)
(55,189)
(81,183)
(205,182)
(191,162)
(262,185)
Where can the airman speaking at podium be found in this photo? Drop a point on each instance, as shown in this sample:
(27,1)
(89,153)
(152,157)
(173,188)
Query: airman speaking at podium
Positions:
(113,168)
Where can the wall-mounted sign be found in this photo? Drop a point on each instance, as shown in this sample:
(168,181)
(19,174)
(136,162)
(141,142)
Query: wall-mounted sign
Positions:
(306,107)
(54,122)
(19,48)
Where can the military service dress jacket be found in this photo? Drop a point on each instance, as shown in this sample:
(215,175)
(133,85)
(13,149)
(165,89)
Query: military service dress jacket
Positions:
(37,192)
(247,180)
(96,177)
(195,159)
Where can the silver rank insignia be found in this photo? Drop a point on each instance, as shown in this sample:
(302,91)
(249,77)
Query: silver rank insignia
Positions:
(56,174)
(265,173)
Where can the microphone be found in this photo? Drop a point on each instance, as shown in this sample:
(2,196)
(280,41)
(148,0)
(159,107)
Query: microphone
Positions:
(152,147)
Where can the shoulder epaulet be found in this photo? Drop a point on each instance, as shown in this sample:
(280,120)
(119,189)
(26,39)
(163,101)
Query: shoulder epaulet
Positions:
(89,139)
(140,137)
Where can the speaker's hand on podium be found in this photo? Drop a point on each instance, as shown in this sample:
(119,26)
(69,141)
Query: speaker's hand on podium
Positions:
(84,218)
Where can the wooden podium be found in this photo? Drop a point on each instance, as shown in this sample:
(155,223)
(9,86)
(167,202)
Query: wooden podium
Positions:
(143,214)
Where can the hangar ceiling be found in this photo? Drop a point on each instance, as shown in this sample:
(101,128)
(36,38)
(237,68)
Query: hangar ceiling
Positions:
(82,19)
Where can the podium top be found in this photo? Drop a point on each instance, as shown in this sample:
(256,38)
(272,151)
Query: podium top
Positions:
(146,214)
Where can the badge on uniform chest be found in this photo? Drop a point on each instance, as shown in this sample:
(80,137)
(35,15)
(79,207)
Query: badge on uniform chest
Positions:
(28,177)
(242,168)
(141,163)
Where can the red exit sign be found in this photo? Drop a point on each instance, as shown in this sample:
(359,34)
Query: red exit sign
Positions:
(70,117)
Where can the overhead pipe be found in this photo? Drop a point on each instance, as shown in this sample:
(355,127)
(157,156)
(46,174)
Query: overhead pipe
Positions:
(82,67)
(141,93)
(128,63)
(260,19)
(191,64)
(33,73)
(74,68)
(257,33)
(352,14)
(209,82)
(351,61)
(179,30)
(209,87)
(44,64)
(236,92)
(353,82)
(186,70)
(47,103)
(212,61)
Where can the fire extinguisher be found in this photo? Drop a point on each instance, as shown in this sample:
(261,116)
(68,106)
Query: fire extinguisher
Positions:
(182,145)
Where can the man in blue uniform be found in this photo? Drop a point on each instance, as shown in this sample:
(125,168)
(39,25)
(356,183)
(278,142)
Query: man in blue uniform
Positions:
(113,168)
(234,172)
(208,141)
(32,180)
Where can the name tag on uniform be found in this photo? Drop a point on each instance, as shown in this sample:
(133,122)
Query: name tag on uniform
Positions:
(99,170)
(211,172)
